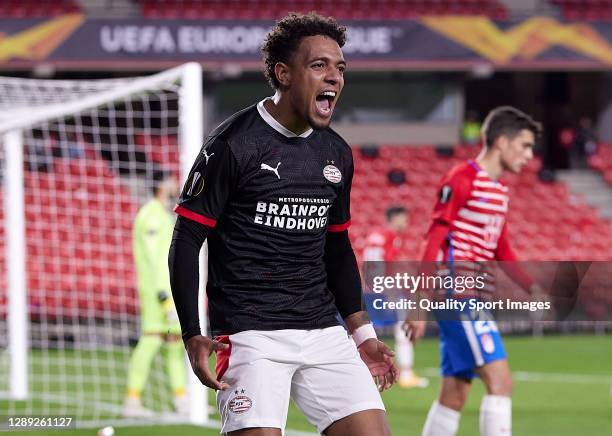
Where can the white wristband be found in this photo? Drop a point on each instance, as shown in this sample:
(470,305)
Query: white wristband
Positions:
(363,333)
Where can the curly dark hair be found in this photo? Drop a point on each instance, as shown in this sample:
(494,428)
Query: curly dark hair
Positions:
(284,39)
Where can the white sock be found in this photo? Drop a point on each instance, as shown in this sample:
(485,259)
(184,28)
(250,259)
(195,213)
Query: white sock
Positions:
(441,421)
(496,416)
(404,351)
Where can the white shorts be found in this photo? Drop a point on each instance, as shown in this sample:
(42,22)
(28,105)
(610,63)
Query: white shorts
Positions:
(319,369)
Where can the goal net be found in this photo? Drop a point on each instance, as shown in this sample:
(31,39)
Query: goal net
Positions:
(77,161)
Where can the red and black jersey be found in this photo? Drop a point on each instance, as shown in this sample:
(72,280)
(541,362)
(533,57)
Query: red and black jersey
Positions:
(269,197)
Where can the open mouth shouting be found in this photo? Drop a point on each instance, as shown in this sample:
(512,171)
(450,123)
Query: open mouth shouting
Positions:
(325,103)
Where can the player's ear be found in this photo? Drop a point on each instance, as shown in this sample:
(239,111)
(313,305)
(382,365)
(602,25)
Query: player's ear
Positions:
(501,142)
(283,73)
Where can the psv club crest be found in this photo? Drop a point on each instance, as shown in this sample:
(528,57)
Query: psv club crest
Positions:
(240,404)
(333,174)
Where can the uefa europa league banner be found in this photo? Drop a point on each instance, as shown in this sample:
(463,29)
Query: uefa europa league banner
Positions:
(442,42)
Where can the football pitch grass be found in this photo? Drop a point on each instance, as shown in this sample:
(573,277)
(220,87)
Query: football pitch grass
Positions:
(562,386)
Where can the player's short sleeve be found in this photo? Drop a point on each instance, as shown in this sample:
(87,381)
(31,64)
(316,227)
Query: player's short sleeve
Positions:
(454,192)
(210,184)
(340,211)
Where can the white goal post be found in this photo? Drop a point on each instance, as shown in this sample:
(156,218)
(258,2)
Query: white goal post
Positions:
(77,161)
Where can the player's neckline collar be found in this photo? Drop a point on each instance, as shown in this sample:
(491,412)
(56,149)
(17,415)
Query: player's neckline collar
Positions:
(269,119)
(474,165)
(479,169)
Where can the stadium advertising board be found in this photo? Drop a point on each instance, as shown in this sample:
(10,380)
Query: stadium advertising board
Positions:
(443,42)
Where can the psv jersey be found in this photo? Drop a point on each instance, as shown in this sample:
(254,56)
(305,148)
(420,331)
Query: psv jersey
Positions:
(269,197)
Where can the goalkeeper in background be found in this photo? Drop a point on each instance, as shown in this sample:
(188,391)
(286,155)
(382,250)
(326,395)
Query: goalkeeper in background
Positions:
(152,234)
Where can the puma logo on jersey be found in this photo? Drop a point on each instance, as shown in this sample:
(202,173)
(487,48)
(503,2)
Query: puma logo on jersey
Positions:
(269,168)
(206,156)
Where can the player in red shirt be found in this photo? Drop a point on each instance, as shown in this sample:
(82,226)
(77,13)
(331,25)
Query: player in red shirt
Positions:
(469,225)
(384,245)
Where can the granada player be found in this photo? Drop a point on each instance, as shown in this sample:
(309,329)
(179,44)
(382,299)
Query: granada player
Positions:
(469,224)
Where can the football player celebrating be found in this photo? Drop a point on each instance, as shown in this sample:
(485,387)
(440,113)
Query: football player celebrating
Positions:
(270,191)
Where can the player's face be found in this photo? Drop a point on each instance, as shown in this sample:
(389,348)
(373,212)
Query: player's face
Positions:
(399,222)
(517,151)
(171,188)
(317,79)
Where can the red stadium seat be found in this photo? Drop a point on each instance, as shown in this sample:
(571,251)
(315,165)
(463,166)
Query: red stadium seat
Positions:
(588,10)
(535,206)
(78,236)
(37,8)
(343,9)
